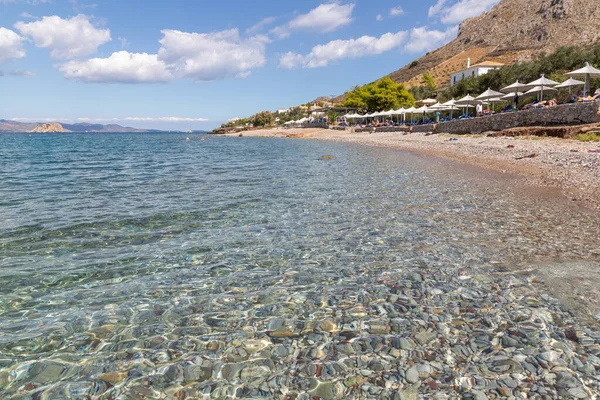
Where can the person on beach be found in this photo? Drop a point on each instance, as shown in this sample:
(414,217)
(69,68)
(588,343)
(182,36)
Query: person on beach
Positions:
(479,109)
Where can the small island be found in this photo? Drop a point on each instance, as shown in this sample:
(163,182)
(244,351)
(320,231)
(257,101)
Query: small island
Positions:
(49,128)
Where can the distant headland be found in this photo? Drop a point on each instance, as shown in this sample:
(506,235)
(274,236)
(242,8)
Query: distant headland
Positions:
(8,126)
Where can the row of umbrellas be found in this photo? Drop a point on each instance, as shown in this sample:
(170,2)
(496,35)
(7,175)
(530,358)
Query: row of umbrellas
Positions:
(510,92)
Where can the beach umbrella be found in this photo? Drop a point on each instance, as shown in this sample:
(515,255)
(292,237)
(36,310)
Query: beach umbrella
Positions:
(489,95)
(586,72)
(427,101)
(515,89)
(400,111)
(538,90)
(451,105)
(510,96)
(421,110)
(468,100)
(543,83)
(410,111)
(569,83)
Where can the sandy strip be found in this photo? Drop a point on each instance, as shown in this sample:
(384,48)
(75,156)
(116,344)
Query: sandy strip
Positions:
(561,163)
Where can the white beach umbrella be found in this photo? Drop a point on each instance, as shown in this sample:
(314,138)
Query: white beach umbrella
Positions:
(515,89)
(410,111)
(511,96)
(468,101)
(451,106)
(586,72)
(570,83)
(538,90)
(400,111)
(427,101)
(421,110)
(543,83)
(489,94)
(449,103)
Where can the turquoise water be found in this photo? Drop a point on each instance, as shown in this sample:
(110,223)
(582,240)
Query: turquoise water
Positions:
(171,263)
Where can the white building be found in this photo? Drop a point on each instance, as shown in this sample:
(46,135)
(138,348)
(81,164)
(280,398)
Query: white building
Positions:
(283,110)
(474,71)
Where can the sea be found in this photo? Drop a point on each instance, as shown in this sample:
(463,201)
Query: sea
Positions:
(168,265)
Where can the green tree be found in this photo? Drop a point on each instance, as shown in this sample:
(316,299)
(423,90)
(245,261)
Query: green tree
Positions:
(428,81)
(263,118)
(383,94)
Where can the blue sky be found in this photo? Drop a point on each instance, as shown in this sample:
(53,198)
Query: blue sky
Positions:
(195,64)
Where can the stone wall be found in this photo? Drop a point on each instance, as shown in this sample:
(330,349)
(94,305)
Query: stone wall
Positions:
(566,114)
(563,116)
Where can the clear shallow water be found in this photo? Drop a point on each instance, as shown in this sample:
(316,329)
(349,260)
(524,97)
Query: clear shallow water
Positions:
(189,268)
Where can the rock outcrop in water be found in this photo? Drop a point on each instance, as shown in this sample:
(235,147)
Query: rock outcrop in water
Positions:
(49,128)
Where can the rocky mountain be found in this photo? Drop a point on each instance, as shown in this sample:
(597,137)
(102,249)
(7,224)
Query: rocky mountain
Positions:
(15,126)
(513,30)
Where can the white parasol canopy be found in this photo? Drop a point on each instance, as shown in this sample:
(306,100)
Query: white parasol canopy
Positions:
(516,89)
(539,90)
(511,96)
(570,83)
(586,72)
(489,94)
(543,82)
(468,99)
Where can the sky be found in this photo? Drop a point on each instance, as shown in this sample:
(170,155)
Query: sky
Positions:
(189,64)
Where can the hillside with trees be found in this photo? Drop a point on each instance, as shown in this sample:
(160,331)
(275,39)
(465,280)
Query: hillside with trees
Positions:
(512,31)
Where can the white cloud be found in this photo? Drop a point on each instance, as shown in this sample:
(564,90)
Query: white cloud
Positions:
(260,25)
(10,45)
(102,120)
(66,38)
(144,119)
(453,12)
(27,15)
(396,11)
(31,2)
(20,72)
(422,39)
(120,67)
(211,56)
(325,18)
(379,17)
(322,55)
(196,56)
